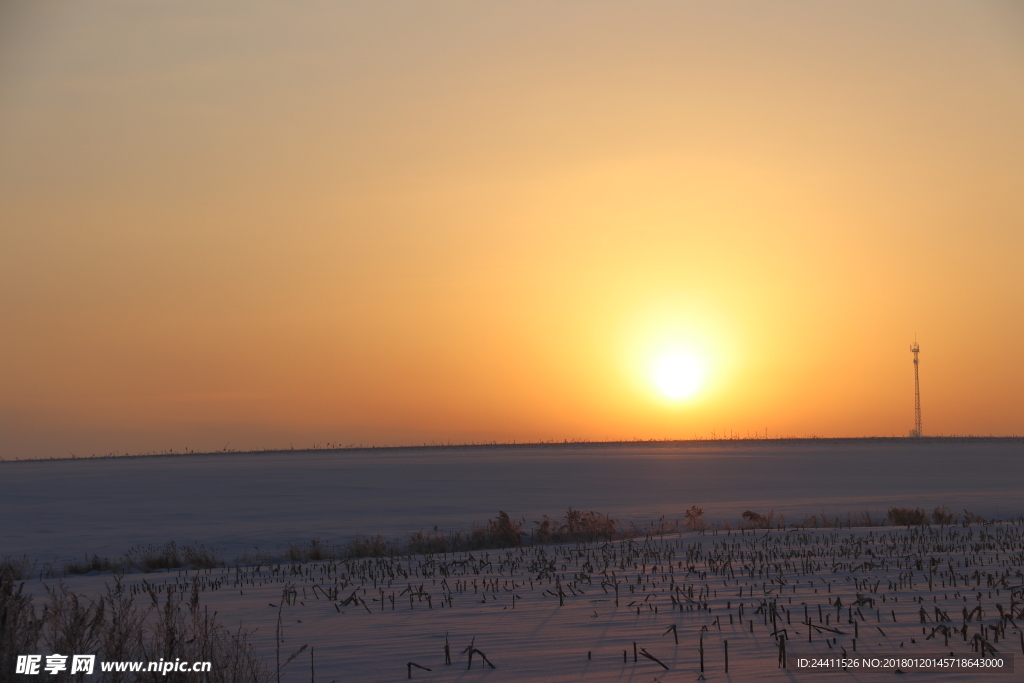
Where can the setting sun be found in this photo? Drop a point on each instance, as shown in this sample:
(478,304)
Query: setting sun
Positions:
(480,222)
(678,375)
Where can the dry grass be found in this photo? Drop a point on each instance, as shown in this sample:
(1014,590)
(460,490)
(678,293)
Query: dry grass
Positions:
(972,518)
(579,526)
(658,527)
(371,546)
(942,515)
(18,569)
(94,563)
(695,519)
(824,521)
(435,542)
(904,516)
(19,627)
(756,520)
(855,519)
(314,552)
(810,522)
(503,531)
(116,629)
(149,558)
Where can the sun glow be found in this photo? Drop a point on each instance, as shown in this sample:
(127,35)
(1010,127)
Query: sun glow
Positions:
(678,375)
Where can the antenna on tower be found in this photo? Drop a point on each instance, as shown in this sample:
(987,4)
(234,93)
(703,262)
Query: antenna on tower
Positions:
(916,431)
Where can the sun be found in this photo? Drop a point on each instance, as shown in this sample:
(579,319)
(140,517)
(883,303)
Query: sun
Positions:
(678,375)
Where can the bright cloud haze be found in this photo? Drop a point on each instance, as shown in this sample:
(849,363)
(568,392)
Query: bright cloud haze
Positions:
(265,224)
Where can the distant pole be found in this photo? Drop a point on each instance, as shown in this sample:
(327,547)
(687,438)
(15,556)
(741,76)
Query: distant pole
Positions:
(915,349)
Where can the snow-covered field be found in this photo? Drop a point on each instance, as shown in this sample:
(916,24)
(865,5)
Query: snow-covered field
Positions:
(59,510)
(575,612)
(549,613)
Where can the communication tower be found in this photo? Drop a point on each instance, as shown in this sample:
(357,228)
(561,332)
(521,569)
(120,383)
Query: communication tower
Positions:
(916,431)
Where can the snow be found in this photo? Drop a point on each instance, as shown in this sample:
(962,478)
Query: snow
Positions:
(59,510)
(62,509)
(685,580)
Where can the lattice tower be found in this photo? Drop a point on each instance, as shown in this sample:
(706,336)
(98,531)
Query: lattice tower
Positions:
(915,349)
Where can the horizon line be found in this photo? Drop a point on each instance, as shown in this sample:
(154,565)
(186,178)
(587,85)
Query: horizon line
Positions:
(565,443)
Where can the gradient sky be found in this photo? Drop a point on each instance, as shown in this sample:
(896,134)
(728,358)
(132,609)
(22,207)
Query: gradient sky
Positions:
(263,224)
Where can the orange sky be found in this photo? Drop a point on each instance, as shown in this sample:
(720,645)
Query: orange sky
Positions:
(390,223)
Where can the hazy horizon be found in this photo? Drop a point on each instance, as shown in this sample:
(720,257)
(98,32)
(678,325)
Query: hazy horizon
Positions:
(550,444)
(387,223)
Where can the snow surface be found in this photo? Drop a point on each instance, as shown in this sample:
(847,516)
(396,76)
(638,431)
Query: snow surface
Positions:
(62,509)
(57,510)
(860,587)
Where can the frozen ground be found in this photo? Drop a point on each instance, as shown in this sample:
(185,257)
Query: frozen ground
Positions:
(576,612)
(57,510)
(897,592)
